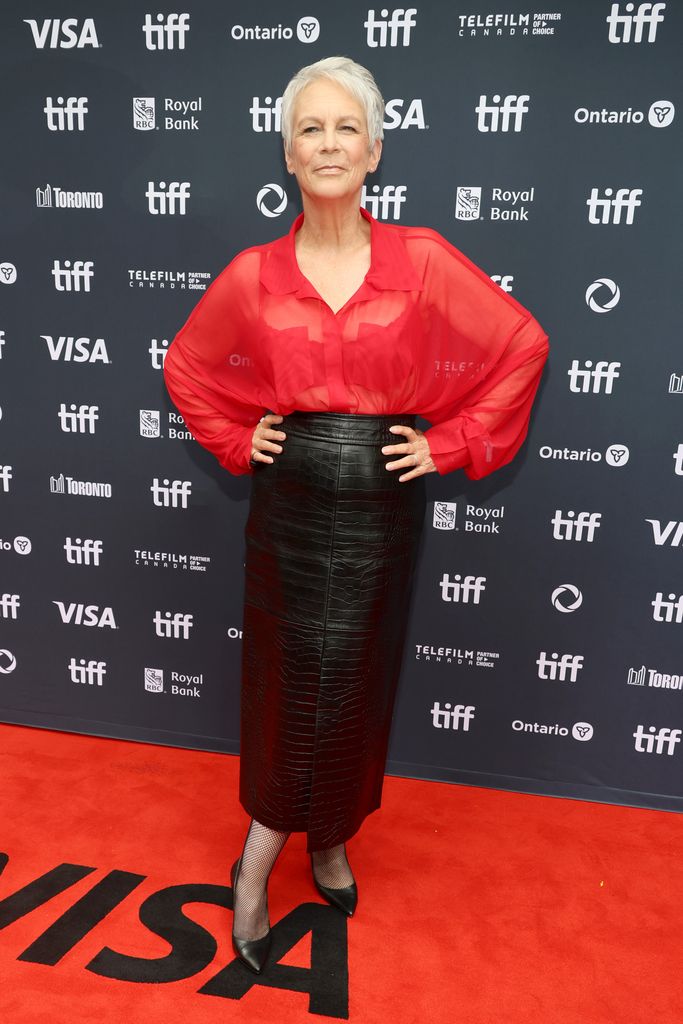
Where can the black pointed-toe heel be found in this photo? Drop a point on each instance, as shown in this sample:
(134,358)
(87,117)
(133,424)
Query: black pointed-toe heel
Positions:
(252,952)
(346,899)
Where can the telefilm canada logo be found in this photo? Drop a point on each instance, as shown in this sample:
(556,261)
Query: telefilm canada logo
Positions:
(475,518)
(174,560)
(509,25)
(497,203)
(169,280)
(449,656)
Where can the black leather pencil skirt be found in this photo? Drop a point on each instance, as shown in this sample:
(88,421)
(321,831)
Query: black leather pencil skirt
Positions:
(331,548)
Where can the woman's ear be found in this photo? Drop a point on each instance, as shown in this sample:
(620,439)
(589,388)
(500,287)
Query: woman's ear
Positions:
(375,154)
(288,159)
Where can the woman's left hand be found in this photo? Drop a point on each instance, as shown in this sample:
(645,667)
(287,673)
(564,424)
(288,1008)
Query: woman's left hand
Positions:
(416,452)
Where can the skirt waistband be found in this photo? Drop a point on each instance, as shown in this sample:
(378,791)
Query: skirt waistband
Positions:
(359,428)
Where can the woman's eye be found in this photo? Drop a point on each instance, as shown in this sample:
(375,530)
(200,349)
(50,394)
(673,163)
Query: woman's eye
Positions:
(311,128)
(349,127)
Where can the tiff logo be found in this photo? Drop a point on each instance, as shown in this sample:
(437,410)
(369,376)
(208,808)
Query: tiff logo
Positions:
(380,203)
(448,717)
(266,117)
(157,351)
(169,30)
(66,115)
(165,198)
(621,25)
(68,278)
(170,494)
(496,116)
(2,342)
(5,477)
(83,552)
(590,380)
(461,590)
(608,210)
(564,668)
(571,528)
(90,673)
(9,606)
(678,460)
(78,420)
(657,740)
(670,610)
(176,625)
(388,28)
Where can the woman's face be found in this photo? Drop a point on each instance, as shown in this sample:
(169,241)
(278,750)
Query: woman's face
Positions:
(330,155)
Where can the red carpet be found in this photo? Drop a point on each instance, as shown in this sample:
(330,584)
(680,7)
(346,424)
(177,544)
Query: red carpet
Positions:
(475,905)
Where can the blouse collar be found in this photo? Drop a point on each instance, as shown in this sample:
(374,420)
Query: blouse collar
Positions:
(390,266)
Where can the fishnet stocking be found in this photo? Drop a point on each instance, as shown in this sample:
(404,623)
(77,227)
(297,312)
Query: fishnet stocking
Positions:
(250,898)
(331,868)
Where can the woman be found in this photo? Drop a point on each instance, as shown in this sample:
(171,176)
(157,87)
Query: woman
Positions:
(346,329)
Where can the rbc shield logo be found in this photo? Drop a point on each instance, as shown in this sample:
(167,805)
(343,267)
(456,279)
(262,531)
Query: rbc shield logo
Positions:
(144,113)
(468,202)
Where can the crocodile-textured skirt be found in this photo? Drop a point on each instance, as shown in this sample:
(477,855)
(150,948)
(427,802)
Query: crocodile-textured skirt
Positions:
(331,547)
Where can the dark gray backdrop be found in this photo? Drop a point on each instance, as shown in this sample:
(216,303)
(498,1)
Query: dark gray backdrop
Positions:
(516,690)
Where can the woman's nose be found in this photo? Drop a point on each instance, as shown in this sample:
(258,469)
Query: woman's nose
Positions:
(329,138)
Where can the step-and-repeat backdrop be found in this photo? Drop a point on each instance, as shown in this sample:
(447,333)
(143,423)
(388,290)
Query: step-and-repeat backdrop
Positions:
(141,153)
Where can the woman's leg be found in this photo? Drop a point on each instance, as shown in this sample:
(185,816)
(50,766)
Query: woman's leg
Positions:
(331,868)
(250,898)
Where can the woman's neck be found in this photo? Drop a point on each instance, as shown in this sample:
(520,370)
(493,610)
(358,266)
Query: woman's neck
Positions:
(331,225)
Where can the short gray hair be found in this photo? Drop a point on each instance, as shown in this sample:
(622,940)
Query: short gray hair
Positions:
(351,76)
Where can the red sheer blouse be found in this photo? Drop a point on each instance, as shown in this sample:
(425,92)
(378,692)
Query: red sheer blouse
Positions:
(427,332)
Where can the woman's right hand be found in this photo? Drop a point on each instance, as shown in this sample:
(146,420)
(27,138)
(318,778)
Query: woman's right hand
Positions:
(265,438)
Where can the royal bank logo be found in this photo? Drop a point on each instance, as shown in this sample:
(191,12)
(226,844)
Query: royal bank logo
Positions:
(179,115)
(307,30)
(508,24)
(657,680)
(502,204)
(63,33)
(637,25)
(602,295)
(64,199)
(476,518)
(154,680)
(150,423)
(165,32)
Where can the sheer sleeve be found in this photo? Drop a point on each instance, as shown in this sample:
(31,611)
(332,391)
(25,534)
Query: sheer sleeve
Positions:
(480,368)
(209,367)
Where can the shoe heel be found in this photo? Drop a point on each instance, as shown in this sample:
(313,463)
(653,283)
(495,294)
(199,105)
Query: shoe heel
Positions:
(252,952)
